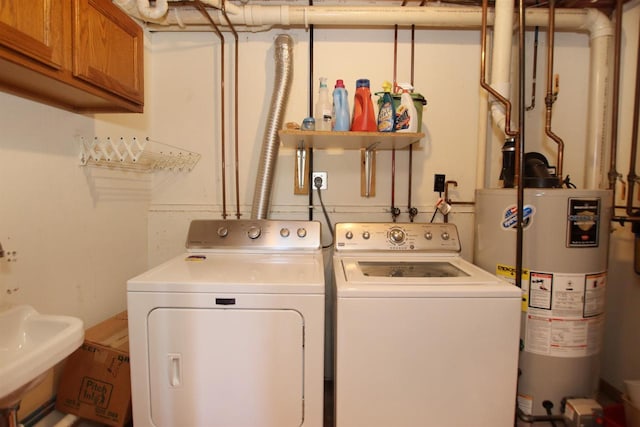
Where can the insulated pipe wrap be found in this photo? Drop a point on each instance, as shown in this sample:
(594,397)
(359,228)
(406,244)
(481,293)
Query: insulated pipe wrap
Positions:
(269,153)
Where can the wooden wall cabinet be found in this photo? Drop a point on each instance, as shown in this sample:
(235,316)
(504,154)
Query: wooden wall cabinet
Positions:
(85,56)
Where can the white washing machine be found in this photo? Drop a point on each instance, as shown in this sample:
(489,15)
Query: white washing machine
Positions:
(230,334)
(423,337)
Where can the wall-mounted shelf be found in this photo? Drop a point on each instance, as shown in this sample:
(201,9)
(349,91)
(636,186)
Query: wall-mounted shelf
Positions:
(367,142)
(348,140)
(141,155)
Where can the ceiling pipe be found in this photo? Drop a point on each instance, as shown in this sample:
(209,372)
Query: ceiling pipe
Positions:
(264,17)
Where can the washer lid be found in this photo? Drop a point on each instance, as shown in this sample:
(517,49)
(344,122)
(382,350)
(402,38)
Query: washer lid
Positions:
(411,276)
(235,272)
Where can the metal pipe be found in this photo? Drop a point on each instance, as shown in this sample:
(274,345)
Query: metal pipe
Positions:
(235,105)
(632,177)
(551,96)
(204,13)
(535,71)
(310,114)
(483,65)
(613,174)
(269,154)
(520,147)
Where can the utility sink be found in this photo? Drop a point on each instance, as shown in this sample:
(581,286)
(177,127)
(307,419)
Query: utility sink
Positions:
(30,344)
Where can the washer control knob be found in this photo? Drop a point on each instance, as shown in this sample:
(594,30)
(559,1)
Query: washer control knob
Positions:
(349,235)
(302,232)
(254,232)
(366,235)
(396,235)
(428,235)
(223,232)
(284,232)
(445,235)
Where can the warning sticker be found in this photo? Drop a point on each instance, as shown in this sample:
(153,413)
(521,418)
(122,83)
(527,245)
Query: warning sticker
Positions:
(563,337)
(594,294)
(508,273)
(540,290)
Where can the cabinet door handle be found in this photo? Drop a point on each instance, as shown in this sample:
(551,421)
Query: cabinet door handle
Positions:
(175,369)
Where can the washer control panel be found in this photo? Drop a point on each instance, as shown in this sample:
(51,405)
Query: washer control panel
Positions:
(262,234)
(395,236)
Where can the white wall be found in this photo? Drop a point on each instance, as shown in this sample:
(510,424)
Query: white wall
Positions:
(78,233)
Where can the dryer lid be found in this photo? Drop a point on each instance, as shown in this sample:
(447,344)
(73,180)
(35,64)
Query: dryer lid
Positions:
(235,272)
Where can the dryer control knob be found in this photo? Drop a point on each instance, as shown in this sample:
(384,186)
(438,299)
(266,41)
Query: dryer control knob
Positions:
(445,235)
(223,232)
(396,235)
(366,235)
(349,235)
(302,232)
(254,232)
(284,232)
(428,235)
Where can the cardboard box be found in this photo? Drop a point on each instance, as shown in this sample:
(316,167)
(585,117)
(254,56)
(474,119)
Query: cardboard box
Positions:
(95,382)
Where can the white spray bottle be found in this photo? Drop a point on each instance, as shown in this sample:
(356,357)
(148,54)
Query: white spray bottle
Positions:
(406,113)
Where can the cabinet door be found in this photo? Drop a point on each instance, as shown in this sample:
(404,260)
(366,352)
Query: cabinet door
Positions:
(33,28)
(108,49)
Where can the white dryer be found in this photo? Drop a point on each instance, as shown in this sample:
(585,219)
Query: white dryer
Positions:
(423,337)
(230,334)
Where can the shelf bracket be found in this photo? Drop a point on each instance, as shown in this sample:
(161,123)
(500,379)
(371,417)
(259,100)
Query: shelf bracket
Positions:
(301,170)
(367,171)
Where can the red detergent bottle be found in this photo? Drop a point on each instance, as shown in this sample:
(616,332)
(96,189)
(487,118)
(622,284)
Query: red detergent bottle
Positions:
(364,119)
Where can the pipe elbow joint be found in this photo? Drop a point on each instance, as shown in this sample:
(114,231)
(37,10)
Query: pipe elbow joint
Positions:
(153,12)
(598,24)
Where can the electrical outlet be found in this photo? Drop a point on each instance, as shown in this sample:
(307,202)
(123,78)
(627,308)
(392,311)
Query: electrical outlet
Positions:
(322,176)
(438,183)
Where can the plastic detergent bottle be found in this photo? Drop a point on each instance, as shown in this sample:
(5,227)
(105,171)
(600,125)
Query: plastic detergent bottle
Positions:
(323,107)
(387,111)
(364,119)
(341,119)
(406,113)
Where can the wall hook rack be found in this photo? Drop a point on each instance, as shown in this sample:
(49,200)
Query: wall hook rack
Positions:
(143,155)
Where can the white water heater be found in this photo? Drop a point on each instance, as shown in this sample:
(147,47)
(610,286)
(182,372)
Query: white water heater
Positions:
(564,279)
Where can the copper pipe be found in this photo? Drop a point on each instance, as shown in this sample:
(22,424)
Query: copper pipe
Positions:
(534,72)
(551,97)
(204,13)
(632,177)
(613,174)
(235,104)
(483,65)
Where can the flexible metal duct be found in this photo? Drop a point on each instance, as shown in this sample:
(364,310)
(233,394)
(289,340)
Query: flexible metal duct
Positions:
(269,153)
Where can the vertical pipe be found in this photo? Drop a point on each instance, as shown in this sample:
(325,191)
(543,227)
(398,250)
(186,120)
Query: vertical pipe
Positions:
(632,177)
(613,173)
(206,15)
(551,97)
(310,114)
(235,105)
(520,146)
(283,51)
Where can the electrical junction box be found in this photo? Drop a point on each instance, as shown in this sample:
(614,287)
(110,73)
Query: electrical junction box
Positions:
(583,413)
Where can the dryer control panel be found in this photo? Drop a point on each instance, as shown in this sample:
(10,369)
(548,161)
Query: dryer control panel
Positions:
(396,236)
(253,234)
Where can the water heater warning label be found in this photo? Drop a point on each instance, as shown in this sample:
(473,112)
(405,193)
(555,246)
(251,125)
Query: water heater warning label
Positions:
(582,223)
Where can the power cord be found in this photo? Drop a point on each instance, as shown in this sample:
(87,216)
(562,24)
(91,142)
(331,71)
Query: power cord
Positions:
(317,182)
